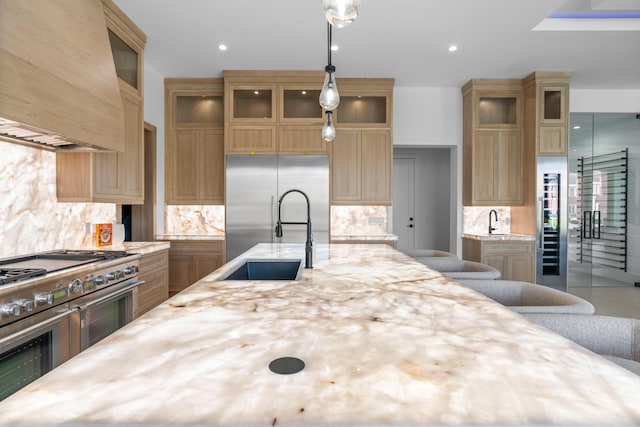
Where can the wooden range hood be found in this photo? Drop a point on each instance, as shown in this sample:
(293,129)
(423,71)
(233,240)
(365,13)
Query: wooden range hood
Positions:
(58,85)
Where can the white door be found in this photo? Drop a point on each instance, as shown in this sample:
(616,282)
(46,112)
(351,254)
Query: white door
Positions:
(403,202)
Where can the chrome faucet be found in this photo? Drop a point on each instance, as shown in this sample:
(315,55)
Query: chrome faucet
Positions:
(308,247)
(495,214)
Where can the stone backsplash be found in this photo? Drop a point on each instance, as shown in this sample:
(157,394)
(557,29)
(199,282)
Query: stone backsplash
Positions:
(359,220)
(476,220)
(194,220)
(32,220)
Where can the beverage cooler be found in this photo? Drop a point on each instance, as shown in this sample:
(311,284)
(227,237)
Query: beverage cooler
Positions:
(551,236)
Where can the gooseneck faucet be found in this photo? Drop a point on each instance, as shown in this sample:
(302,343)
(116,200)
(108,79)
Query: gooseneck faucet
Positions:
(495,214)
(308,247)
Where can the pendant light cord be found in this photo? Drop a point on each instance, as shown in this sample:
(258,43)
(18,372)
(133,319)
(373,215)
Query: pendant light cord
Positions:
(329,43)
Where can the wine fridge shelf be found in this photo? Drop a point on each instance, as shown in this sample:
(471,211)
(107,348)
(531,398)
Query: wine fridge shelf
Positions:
(601,200)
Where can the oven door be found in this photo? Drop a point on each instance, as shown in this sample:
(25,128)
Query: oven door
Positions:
(32,347)
(101,313)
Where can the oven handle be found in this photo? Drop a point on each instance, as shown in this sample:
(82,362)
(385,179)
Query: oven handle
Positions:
(109,296)
(33,328)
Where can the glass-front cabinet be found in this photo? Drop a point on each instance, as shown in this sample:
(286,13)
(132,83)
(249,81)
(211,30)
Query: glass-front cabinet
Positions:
(194,148)
(126,60)
(253,103)
(202,109)
(299,104)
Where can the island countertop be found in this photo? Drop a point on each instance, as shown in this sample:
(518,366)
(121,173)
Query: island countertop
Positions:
(385,340)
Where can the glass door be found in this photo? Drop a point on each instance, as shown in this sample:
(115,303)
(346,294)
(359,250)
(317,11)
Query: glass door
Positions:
(603,213)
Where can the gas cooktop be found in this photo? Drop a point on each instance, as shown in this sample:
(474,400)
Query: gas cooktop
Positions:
(10,275)
(27,266)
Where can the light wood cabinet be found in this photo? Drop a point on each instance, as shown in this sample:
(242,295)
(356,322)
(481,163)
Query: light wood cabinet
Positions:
(497,167)
(116,177)
(547,112)
(514,258)
(362,152)
(191,260)
(273,112)
(154,270)
(194,141)
(361,167)
(492,143)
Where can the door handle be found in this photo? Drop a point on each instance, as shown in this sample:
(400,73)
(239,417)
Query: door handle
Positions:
(586,224)
(596,224)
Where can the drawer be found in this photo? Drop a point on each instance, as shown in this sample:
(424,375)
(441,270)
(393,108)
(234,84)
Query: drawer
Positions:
(508,248)
(154,261)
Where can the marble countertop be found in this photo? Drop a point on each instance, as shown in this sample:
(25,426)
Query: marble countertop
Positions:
(499,237)
(141,248)
(385,340)
(189,237)
(367,237)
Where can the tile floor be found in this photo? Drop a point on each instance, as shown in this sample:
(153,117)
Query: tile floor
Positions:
(623,301)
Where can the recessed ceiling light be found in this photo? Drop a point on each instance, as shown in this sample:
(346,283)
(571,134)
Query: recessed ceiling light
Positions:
(576,127)
(334,47)
(222,47)
(453,48)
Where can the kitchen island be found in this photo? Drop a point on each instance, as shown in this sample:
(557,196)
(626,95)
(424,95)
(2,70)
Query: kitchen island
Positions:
(384,340)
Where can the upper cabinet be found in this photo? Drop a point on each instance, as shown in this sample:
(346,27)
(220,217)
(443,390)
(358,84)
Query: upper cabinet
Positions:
(194,141)
(547,100)
(116,177)
(365,103)
(270,112)
(492,142)
(361,167)
(362,152)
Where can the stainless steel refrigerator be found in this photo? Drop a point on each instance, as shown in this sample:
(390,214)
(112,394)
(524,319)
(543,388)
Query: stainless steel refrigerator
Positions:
(552,221)
(253,186)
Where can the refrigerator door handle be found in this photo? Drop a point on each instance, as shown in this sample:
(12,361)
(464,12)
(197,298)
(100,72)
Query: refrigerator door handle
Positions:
(586,225)
(273,220)
(596,224)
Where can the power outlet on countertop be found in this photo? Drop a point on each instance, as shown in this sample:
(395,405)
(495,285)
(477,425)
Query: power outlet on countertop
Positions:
(376,220)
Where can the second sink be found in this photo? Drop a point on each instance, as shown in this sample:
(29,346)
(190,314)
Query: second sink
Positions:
(267,269)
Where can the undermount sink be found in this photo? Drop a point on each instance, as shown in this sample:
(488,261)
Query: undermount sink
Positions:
(267,269)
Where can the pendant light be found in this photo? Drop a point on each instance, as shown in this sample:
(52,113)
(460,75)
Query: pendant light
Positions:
(328,130)
(341,12)
(329,96)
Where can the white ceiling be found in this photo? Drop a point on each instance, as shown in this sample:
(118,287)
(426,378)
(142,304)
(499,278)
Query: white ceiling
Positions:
(495,40)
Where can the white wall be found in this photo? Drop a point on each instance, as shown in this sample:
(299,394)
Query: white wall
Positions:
(154,114)
(427,116)
(432,116)
(604,101)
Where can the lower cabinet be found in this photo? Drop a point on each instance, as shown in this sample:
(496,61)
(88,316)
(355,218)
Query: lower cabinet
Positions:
(191,260)
(515,259)
(154,270)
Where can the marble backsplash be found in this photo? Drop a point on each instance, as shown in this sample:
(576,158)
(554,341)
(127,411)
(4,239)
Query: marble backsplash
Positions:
(476,220)
(200,220)
(359,220)
(32,220)
(194,220)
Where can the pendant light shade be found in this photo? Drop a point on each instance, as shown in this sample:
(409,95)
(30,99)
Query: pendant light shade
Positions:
(329,96)
(341,13)
(328,130)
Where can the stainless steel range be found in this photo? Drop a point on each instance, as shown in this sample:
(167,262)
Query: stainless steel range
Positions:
(55,304)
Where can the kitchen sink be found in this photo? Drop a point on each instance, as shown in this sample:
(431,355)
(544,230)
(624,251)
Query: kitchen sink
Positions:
(267,269)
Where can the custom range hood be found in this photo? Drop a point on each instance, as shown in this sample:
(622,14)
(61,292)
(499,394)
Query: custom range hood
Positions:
(58,85)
